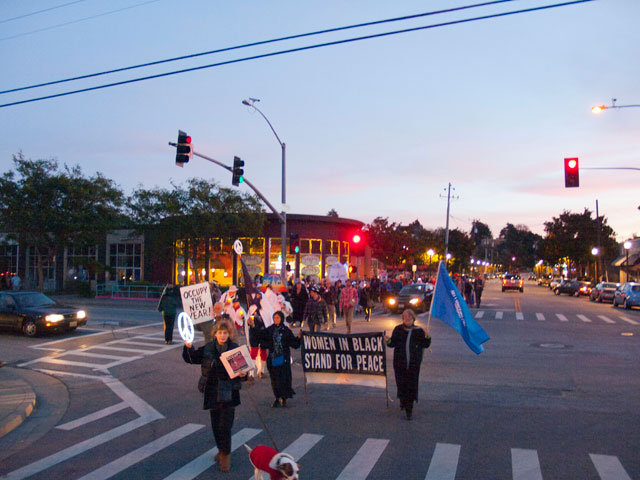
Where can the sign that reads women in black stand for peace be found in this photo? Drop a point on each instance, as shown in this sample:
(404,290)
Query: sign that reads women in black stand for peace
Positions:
(345,359)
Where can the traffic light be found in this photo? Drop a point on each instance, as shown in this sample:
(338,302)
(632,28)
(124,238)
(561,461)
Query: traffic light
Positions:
(238,171)
(294,243)
(184,151)
(571,173)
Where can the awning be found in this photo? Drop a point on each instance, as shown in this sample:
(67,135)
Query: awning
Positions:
(621,261)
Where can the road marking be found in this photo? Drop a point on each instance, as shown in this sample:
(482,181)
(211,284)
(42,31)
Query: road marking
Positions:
(122,463)
(628,320)
(93,416)
(444,462)
(363,462)
(41,346)
(130,350)
(301,446)
(606,319)
(609,468)
(561,317)
(583,318)
(499,315)
(205,461)
(519,316)
(525,464)
(94,355)
(540,316)
(480,314)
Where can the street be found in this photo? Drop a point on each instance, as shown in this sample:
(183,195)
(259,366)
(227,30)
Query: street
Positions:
(554,396)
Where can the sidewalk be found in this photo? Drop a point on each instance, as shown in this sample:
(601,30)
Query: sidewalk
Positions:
(17,399)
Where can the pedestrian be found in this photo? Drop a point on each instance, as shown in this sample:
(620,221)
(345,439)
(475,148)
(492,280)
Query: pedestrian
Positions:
(366,301)
(468,291)
(315,312)
(299,298)
(408,342)
(279,341)
(478,287)
(257,350)
(16,281)
(348,302)
(330,298)
(169,305)
(221,393)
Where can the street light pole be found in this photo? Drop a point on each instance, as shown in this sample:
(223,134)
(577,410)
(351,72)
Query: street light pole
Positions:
(599,108)
(627,246)
(283,213)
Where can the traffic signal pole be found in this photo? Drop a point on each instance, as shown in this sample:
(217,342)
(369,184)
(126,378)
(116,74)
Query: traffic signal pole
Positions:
(249,184)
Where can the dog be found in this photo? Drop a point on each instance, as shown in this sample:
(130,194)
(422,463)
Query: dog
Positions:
(279,466)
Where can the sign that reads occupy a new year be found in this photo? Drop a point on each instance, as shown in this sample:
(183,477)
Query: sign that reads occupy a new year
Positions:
(196,301)
(357,354)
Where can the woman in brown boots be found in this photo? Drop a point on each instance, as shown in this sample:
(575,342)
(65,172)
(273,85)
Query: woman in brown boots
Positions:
(221,393)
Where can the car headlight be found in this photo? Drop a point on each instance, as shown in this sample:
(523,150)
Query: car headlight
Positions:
(55,317)
(392,301)
(81,314)
(414,301)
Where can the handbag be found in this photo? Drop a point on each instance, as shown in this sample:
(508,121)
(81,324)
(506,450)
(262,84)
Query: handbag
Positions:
(277,361)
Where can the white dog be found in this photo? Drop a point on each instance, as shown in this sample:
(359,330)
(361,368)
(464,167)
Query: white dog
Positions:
(279,466)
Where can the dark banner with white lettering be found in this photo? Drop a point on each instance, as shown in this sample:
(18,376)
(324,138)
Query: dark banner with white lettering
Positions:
(334,353)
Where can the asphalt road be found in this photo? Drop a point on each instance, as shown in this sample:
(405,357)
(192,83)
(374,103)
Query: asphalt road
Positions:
(554,396)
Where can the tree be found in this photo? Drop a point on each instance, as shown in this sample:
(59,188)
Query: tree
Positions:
(47,209)
(517,247)
(481,236)
(332,213)
(198,211)
(385,241)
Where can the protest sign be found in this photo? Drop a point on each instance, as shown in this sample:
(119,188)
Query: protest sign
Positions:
(237,361)
(197,302)
(356,359)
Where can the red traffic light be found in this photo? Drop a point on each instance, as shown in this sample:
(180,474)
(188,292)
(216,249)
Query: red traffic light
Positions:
(356,238)
(571,172)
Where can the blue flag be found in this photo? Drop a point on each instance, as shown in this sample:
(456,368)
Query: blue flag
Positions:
(449,306)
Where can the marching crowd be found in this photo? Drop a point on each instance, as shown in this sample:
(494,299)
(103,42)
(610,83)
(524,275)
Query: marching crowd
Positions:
(266,324)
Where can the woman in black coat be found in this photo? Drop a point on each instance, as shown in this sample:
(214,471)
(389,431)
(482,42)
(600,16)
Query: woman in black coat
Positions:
(221,393)
(279,340)
(299,298)
(408,342)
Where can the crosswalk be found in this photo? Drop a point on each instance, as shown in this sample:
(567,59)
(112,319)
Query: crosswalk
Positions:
(440,462)
(542,317)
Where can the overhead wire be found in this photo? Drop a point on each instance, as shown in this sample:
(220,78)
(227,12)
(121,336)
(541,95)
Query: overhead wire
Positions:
(297,49)
(40,11)
(255,44)
(110,12)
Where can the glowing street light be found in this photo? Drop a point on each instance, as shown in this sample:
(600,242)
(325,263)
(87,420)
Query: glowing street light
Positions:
(596,109)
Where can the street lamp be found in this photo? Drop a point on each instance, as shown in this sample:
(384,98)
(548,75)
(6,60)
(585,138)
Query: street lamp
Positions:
(599,108)
(627,247)
(283,227)
(595,251)
(430,252)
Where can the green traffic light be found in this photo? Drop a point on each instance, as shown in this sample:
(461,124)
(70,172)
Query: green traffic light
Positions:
(297,249)
(241,180)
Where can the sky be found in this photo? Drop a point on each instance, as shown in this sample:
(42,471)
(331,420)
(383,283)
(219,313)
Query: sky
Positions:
(374,128)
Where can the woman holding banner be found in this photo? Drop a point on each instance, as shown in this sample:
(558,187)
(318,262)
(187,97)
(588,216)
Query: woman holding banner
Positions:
(408,342)
(279,340)
(221,393)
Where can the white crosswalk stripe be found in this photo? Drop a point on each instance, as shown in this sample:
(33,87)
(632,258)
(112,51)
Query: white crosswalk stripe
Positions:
(584,318)
(628,320)
(301,446)
(363,462)
(519,316)
(609,468)
(525,464)
(561,317)
(540,316)
(605,319)
(480,314)
(499,315)
(444,462)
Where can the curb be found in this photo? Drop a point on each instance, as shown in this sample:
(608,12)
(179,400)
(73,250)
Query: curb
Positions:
(17,401)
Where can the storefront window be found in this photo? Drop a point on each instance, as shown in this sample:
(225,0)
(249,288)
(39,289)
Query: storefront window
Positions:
(253,256)
(8,259)
(275,261)
(220,262)
(78,261)
(48,269)
(310,266)
(126,261)
(344,254)
(332,254)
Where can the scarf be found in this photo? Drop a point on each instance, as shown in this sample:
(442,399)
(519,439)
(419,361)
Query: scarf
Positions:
(407,349)
(278,333)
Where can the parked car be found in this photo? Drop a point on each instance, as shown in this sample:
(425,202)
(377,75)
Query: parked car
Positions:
(555,281)
(585,288)
(416,297)
(603,291)
(544,280)
(628,295)
(512,282)
(34,313)
(570,287)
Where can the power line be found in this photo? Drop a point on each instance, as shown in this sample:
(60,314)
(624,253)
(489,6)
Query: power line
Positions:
(298,49)
(77,21)
(254,44)
(40,11)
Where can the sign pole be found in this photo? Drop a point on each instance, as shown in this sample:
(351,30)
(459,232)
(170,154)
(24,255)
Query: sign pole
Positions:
(386,379)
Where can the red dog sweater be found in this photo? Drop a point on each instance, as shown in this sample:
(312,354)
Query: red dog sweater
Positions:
(261,456)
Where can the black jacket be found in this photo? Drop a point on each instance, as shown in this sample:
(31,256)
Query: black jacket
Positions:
(213,370)
(289,341)
(418,342)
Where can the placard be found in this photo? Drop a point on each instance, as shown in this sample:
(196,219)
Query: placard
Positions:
(197,302)
(356,359)
(237,361)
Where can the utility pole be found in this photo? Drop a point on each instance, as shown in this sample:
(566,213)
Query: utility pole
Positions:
(446,230)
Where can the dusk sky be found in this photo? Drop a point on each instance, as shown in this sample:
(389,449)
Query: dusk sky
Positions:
(373,128)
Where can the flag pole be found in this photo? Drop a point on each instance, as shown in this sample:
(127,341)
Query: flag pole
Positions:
(433,296)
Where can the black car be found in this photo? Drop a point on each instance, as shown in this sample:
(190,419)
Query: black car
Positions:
(603,291)
(570,287)
(34,313)
(417,297)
